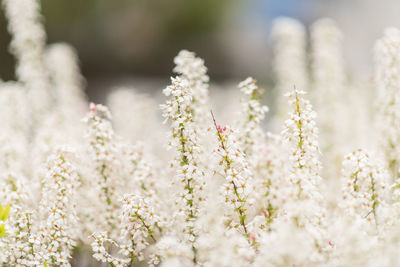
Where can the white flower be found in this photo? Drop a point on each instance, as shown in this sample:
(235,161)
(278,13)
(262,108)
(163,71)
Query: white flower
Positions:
(59,225)
(236,173)
(28,43)
(387,80)
(189,175)
(364,185)
(252,113)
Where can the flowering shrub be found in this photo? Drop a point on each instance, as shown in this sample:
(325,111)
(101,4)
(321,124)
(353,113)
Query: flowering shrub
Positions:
(85,189)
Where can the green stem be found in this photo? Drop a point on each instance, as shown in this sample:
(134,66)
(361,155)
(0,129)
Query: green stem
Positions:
(242,215)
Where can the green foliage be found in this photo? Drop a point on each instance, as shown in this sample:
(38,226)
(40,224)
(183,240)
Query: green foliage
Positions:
(3,231)
(4,213)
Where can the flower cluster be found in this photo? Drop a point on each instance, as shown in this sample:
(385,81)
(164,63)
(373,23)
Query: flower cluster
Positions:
(236,172)
(192,69)
(253,112)
(102,151)
(20,242)
(101,253)
(328,77)
(189,175)
(301,135)
(58,231)
(140,226)
(28,45)
(62,61)
(363,187)
(387,78)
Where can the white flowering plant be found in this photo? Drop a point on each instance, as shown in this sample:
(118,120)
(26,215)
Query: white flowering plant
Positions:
(85,185)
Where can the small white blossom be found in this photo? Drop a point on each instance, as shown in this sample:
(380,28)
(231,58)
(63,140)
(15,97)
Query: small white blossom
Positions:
(364,186)
(58,207)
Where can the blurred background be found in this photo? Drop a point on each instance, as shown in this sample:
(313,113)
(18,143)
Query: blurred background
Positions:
(131,41)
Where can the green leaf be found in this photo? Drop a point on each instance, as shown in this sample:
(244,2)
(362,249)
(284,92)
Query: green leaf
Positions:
(242,218)
(3,235)
(3,232)
(4,213)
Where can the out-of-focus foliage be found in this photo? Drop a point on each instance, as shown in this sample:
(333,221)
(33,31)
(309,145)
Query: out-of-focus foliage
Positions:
(131,35)
(4,212)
